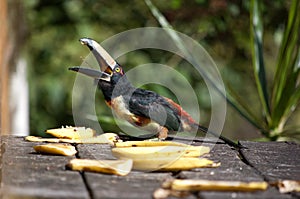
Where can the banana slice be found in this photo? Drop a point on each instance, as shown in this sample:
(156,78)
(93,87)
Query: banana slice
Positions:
(286,186)
(72,132)
(148,143)
(39,139)
(116,167)
(106,138)
(159,152)
(56,149)
(166,158)
(169,164)
(205,185)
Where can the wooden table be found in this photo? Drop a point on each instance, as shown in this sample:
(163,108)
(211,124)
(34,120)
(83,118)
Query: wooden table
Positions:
(26,174)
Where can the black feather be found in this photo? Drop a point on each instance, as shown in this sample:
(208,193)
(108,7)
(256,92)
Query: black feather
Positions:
(151,105)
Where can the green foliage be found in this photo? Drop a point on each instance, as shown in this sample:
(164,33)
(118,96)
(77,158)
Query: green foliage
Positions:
(286,92)
(257,57)
(285,89)
(222,27)
(54,28)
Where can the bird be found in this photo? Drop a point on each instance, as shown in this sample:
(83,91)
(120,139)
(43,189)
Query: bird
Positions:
(142,108)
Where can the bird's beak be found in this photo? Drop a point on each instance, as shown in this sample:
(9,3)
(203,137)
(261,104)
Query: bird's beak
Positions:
(105,61)
(92,73)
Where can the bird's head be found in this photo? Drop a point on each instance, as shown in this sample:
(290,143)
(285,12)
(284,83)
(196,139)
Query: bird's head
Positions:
(110,71)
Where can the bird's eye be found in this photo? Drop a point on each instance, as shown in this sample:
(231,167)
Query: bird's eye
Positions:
(117,70)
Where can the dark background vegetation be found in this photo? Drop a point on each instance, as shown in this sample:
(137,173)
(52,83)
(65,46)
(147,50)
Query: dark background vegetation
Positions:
(52,29)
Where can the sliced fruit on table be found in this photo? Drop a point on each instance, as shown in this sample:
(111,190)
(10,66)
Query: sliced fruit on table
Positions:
(159,151)
(207,185)
(286,186)
(72,132)
(148,143)
(106,138)
(56,149)
(40,139)
(172,164)
(116,167)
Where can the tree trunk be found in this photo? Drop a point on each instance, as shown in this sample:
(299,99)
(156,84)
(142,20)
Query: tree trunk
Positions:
(12,35)
(4,74)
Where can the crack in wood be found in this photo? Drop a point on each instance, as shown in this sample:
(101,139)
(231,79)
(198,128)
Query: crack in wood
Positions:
(35,176)
(245,161)
(83,176)
(272,181)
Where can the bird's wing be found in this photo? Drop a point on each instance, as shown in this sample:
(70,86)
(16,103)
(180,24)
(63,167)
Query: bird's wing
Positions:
(151,105)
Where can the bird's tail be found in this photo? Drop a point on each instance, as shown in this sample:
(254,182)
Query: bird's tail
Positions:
(226,140)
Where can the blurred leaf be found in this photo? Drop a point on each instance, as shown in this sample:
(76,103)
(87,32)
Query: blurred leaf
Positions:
(258,58)
(287,72)
(230,99)
(291,134)
(291,105)
(54,27)
(245,110)
(176,4)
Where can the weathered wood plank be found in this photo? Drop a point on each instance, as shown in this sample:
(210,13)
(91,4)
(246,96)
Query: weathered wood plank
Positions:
(271,193)
(231,169)
(95,151)
(26,174)
(135,185)
(274,160)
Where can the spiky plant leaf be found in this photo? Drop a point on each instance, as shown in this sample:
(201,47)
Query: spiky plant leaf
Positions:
(237,105)
(258,57)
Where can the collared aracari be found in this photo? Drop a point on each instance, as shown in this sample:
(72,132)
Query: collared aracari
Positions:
(142,108)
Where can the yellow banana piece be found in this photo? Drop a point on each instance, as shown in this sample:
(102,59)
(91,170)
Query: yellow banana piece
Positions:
(170,164)
(116,167)
(286,186)
(56,149)
(148,143)
(72,132)
(159,152)
(106,138)
(39,139)
(206,185)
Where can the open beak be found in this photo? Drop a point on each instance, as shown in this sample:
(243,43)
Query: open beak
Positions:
(105,61)
(92,73)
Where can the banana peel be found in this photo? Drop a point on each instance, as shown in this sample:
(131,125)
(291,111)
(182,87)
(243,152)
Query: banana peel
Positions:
(159,152)
(39,139)
(287,186)
(115,167)
(147,143)
(152,156)
(206,185)
(182,188)
(56,149)
(106,138)
(169,164)
(72,132)
(143,155)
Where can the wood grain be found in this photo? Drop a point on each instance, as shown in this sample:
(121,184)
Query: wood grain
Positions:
(26,174)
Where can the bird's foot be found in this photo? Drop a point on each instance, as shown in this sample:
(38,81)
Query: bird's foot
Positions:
(163,133)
